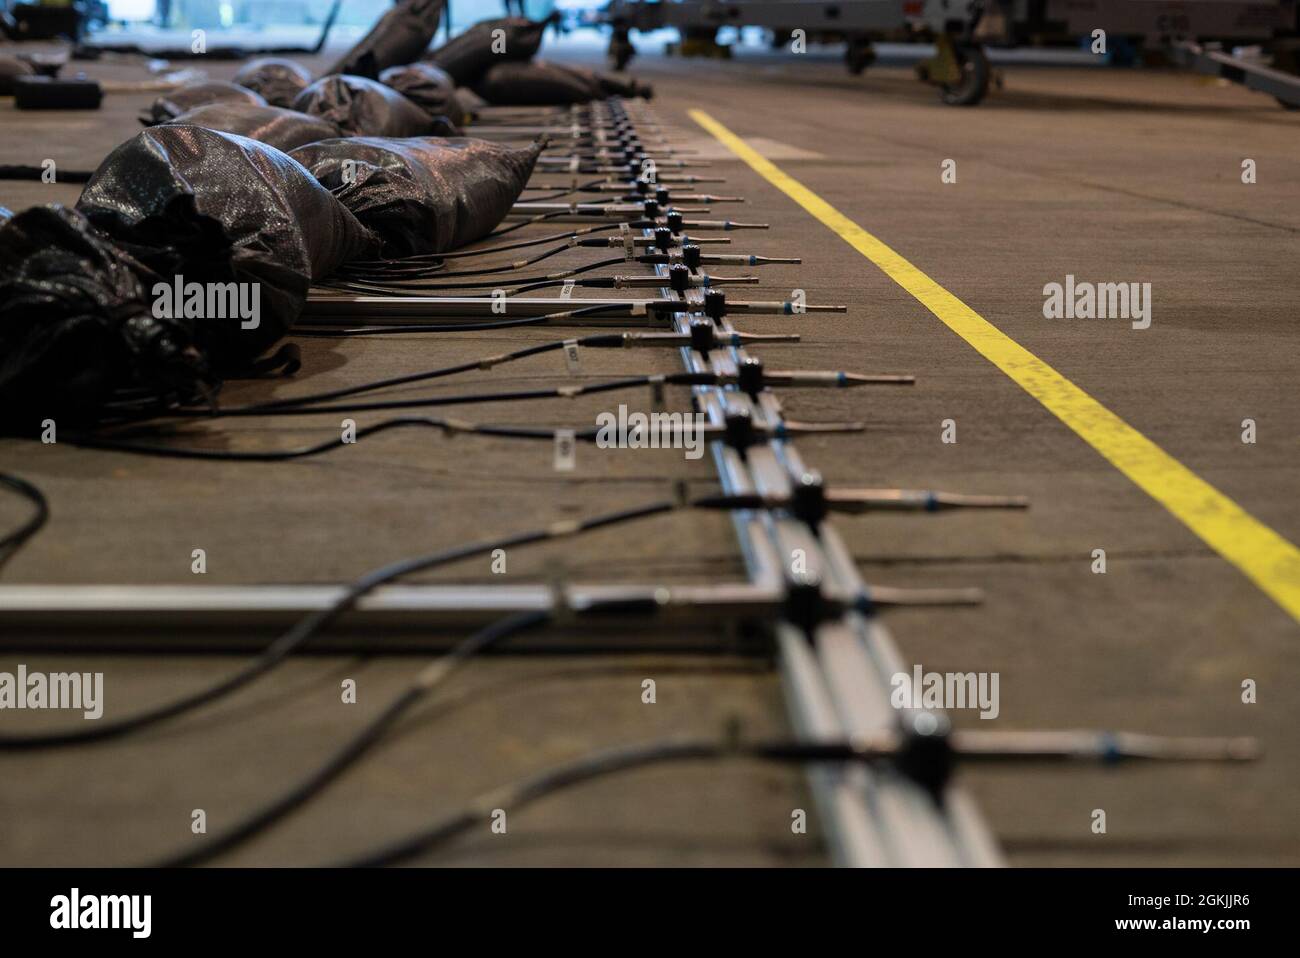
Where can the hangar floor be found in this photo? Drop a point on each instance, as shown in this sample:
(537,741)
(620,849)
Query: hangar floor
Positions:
(1104,175)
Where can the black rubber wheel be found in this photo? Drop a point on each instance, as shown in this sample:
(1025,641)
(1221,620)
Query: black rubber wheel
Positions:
(975,76)
(621,51)
(859,55)
(620,55)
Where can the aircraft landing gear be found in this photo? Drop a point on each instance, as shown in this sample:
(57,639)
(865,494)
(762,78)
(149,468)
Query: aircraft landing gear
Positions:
(959,69)
(859,55)
(620,51)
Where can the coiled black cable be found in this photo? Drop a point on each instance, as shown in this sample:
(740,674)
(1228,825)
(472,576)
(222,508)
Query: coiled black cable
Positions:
(13,541)
(317,781)
(599,765)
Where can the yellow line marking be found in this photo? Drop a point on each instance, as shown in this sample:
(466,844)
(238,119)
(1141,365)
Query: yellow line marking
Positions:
(1267,559)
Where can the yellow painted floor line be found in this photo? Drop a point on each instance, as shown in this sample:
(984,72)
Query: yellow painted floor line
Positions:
(1268,559)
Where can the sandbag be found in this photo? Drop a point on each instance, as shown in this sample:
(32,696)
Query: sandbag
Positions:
(429,87)
(535,84)
(171,105)
(469,101)
(217,208)
(400,36)
(272,125)
(10,68)
(362,107)
(278,80)
(423,194)
(467,56)
(76,324)
(552,84)
(607,84)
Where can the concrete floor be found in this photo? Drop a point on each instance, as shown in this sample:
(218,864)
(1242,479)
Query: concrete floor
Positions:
(1111,176)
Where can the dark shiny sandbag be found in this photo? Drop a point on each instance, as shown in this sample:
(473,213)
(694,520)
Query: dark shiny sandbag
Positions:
(76,324)
(424,194)
(278,80)
(429,87)
(400,36)
(272,125)
(607,84)
(10,69)
(536,84)
(362,107)
(467,56)
(171,105)
(216,208)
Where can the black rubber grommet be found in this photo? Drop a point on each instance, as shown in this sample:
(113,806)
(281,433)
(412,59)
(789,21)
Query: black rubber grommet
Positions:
(749,375)
(715,304)
(703,335)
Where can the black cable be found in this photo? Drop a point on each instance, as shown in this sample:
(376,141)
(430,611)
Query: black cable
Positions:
(310,625)
(541,284)
(607,308)
(560,194)
(501,248)
(281,455)
(426,681)
(317,781)
(419,289)
(538,218)
(394,380)
(22,172)
(599,765)
(335,331)
(487,362)
(461,399)
(13,541)
(411,271)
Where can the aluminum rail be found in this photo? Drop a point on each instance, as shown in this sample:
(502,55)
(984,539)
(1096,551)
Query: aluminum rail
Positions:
(399,617)
(1209,60)
(837,681)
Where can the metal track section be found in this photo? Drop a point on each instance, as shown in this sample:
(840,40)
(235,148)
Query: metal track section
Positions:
(1209,60)
(837,685)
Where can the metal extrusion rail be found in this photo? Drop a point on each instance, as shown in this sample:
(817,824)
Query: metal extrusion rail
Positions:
(837,685)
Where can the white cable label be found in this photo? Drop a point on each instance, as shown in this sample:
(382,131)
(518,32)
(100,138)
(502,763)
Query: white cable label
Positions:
(566,446)
(571,359)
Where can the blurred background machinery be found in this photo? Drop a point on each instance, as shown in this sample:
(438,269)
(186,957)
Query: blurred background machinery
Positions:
(1253,42)
(1231,38)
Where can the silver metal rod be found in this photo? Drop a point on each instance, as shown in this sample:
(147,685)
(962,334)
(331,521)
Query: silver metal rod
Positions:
(395,616)
(837,683)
